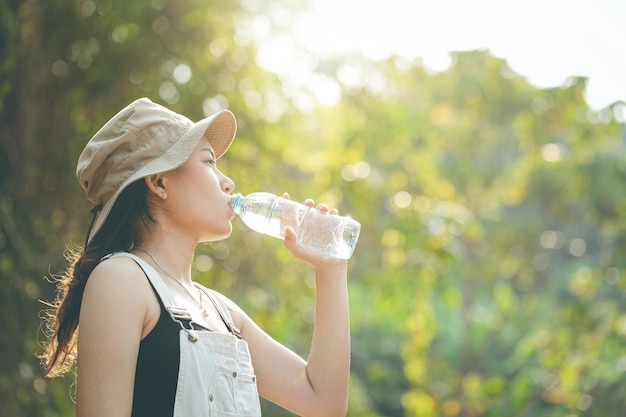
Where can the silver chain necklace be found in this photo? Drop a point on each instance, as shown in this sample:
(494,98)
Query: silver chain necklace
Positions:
(200,304)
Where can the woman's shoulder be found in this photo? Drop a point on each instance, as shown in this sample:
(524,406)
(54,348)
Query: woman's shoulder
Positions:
(119,274)
(119,290)
(118,262)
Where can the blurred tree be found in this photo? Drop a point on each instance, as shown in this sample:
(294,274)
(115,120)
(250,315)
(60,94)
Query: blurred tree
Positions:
(515,214)
(481,198)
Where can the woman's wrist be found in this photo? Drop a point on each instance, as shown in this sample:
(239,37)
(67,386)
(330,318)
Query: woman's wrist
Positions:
(335,270)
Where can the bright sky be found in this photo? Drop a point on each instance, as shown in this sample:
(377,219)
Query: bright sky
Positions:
(545,41)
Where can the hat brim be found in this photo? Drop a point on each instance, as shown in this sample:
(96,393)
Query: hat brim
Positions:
(219,129)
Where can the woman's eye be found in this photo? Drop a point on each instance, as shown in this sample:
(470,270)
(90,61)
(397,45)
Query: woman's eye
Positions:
(211,162)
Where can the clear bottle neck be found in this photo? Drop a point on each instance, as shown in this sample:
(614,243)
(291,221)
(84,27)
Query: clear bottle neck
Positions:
(236,201)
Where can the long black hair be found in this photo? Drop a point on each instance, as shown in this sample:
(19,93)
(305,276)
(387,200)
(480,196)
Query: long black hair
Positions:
(120,232)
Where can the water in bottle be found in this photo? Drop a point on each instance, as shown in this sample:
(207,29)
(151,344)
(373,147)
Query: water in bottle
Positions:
(267,213)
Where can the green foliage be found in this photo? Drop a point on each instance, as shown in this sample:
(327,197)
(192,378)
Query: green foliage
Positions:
(488,279)
(524,197)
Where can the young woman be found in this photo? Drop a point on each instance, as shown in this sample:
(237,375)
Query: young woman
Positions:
(147,339)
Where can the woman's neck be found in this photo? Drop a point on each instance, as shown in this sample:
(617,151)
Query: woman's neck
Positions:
(168,257)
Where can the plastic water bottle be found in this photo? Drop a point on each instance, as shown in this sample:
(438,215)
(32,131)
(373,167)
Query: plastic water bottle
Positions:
(267,213)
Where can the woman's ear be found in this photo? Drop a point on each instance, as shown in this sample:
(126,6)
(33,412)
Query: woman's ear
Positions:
(156,185)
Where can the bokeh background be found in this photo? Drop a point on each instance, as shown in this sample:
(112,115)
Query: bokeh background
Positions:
(489,276)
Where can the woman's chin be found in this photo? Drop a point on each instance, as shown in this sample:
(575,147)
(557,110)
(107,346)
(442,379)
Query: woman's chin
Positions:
(217,236)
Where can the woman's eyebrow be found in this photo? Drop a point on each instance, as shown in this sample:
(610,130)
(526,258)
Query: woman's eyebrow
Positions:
(209,150)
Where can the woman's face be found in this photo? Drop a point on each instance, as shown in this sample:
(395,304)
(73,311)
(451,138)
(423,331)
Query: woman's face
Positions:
(198,196)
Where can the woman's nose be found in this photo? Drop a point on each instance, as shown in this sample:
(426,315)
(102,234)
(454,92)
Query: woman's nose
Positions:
(228,185)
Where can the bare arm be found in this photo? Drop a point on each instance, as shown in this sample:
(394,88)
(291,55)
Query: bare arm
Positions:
(113,319)
(319,386)
(328,367)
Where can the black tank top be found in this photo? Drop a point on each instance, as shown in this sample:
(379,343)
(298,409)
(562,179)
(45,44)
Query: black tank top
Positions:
(156,375)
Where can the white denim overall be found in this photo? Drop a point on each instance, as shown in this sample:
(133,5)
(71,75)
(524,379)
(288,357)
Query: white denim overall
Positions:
(215,377)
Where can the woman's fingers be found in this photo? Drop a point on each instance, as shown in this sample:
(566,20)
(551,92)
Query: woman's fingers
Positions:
(310,203)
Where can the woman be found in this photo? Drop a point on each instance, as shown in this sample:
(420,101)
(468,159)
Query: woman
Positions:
(152,342)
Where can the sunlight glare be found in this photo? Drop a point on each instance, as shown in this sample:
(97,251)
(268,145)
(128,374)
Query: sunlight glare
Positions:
(581,40)
(551,239)
(281,54)
(351,75)
(214,104)
(182,74)
(217,47)
(168,92)
(402,199)
(619,112)
(552,152)
(325,89)
(360,170)
(578,247)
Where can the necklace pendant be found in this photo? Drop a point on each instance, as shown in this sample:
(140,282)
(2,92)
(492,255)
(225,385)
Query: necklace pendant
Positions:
(205,314)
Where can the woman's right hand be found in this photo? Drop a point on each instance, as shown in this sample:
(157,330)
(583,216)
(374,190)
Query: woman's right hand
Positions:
(316,259)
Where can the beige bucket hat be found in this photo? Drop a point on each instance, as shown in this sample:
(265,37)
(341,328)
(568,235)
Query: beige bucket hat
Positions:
(144,138)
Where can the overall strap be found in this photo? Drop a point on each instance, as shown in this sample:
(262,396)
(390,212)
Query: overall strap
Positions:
(222,311)
(176,313)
